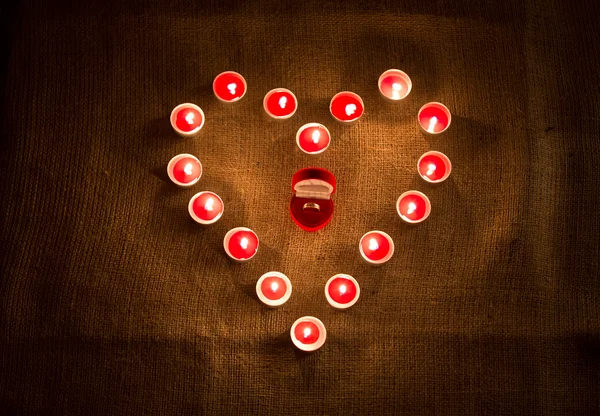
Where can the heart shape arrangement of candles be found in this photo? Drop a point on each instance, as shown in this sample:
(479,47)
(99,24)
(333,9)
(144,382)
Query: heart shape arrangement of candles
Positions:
(311,205)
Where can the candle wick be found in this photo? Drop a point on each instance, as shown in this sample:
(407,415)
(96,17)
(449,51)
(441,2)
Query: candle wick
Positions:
(343,289)
(282,102)
(396,90)
(412,207)
(232,87)
(350,109)
(189,117)
(316,136)
(373,244)
(274,287)
(306,332)
(432,122)
(431,169)
(188,169)
(209,204)
(244,243)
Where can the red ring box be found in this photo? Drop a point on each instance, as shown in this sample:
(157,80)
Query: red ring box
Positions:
(312,186)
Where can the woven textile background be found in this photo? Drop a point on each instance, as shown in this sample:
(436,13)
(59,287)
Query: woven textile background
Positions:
(112,301)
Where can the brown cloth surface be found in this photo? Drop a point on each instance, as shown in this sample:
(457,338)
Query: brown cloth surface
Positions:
(113,302)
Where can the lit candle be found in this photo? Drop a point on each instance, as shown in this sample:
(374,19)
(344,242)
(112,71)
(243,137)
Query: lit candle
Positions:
(346,107)
(394,84)
(342,291)
(206,207)
(184,170)
(280,103)
(308,333)
(313,138)
(187,119)
(229,86)
(241,244)
(434,167)
(273,289)
(434,118)
(376,247)
(413,207)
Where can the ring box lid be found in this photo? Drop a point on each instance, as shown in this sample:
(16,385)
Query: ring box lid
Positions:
(312,185)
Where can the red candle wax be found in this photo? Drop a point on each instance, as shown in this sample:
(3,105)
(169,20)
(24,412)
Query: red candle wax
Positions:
(413,206)
(394,84)
(273,287)
(313,138)
(280,103)
(186,170)
(346,106)
(307,332)
(206,207)
(434,166)
(188,119)
(434,118)
(241,243)
(342,290)
(229,86)
(375,246)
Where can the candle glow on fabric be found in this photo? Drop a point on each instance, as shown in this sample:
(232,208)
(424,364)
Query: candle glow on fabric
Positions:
(307,332)
(273,287)
(243,245)
(375,246)
(188,119)
(207,206)
(186,170)
(229,86)
(342,290)
(281,103)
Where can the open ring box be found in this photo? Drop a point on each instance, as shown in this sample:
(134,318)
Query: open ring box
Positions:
(311,206)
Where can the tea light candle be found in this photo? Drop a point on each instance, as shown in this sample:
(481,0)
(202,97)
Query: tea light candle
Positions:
(274,289)
(184,170)
(342,291)
(413,207)
(187,119)
(205,207)
(394,84)
(313,138)
(308,333)
(434,118)
(229,86)
(241,244)
(346,107)
(280,103)
(434,167)
(376,247)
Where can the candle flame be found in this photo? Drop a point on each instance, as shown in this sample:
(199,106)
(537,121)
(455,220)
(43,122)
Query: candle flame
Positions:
(282,102)
(188,169)
(209,204)
(274,287)
(432,122)
(350,109)
(232,87)
(430,169)
(244,243)
(343,289)
(412,207)
(396,87)
(189,117)
(307,332)
(316,135)
(373,244)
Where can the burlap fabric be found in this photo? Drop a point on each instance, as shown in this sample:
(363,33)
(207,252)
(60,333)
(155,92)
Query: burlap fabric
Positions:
(114,302)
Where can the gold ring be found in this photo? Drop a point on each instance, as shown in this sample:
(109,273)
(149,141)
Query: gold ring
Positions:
(311,205)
